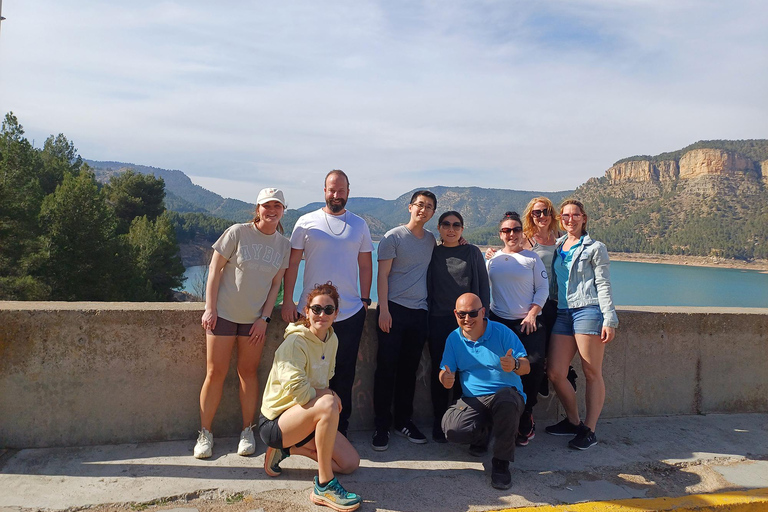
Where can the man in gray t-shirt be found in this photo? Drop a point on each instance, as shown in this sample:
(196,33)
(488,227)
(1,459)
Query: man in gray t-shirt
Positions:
(404,256)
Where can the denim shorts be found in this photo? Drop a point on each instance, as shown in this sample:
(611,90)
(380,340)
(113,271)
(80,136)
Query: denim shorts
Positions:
(586,320)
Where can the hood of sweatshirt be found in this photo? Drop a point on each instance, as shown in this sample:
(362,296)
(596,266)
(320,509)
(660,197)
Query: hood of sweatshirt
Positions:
(304,332)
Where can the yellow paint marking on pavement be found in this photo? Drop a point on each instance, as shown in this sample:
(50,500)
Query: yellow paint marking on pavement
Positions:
(754,500)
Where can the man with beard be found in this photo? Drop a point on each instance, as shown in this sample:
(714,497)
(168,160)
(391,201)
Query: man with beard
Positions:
(335,243)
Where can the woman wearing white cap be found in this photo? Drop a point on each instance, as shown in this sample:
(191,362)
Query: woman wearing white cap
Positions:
(244,277)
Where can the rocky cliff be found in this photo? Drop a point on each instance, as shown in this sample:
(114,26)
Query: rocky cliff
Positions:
(692,164)
(709,198)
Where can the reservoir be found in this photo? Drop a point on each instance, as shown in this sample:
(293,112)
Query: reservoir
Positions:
(641,284)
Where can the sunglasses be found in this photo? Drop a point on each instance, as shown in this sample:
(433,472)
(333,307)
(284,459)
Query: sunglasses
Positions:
(472,314)
(317,309)
(455,225)
(540,213)
(506,231)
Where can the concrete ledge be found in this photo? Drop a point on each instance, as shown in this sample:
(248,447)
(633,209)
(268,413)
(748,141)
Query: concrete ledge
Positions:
(75,374)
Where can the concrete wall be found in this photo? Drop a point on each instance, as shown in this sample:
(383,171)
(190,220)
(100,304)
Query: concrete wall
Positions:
(97,373)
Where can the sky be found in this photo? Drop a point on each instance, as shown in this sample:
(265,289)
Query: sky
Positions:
(527,95)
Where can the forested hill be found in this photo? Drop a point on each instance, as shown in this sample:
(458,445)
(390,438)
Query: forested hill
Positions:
(481,207)
(708,199)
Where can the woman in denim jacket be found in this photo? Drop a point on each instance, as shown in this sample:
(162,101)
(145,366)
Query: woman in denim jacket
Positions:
(586,321)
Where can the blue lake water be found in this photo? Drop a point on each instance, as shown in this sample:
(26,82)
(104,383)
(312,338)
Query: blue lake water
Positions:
(645,284)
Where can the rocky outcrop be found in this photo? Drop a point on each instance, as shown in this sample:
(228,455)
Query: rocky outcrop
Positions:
(639,171)
(696,163)
(714,162)
(668,170)
(764,171)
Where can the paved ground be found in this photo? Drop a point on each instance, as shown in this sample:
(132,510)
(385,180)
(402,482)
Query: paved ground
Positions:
(636,458)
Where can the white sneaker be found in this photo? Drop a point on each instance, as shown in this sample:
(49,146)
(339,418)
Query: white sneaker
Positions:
(204,446)
(247,444)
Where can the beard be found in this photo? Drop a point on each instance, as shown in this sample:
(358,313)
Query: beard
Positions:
(336,205)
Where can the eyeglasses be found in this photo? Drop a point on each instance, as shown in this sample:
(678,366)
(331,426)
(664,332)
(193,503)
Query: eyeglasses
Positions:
(539,213)
(455,225)
(574,216)
(516,229)
(472,314)
(423,206)
(317,309)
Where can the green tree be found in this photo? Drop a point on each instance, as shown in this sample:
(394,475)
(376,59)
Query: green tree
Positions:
(79,242)
(58,158)
(133,195)
(20,200)
(155,257)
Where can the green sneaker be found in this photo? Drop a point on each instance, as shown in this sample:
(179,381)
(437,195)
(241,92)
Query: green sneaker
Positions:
(272,459)
(335,496)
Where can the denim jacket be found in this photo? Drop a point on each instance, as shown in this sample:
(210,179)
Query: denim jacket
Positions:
(589,279)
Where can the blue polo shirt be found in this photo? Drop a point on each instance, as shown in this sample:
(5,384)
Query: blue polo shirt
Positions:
(478,362)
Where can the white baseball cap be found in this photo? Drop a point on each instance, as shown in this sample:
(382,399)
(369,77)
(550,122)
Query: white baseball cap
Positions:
(271,194)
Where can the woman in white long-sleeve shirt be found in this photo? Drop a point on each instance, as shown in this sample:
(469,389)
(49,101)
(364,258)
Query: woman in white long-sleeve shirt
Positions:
(519,289)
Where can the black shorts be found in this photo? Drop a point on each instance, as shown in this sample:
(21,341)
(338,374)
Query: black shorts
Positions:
(226,328)
(271,435)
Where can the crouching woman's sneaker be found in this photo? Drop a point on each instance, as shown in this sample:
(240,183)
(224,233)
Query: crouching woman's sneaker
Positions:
(333,495)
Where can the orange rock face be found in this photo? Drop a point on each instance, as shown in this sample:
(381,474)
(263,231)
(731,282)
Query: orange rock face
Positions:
(713,162)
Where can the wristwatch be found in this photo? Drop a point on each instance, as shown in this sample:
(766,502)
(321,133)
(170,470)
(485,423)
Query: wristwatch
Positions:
(266,319)
(367,300)
(517,365)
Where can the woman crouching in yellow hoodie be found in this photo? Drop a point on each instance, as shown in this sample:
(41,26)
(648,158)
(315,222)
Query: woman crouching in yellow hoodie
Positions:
(299,412)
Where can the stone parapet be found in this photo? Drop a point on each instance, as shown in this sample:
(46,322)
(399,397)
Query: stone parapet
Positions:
(75,374)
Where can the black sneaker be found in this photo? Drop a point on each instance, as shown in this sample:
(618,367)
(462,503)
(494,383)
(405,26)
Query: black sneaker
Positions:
(572,376)
(380,441)
(478,450)
(585,439)
(437,434)
(563,428)
(410,432)
(500,475)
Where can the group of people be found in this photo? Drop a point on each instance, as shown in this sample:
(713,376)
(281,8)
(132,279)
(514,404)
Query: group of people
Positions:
(494,329)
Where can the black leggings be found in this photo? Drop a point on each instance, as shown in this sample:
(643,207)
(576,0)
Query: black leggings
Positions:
(535,346)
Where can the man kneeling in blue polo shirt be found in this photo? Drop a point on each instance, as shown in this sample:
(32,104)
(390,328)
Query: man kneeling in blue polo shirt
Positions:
(490,359)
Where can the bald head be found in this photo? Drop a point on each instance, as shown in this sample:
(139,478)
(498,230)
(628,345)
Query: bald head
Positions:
(468,302)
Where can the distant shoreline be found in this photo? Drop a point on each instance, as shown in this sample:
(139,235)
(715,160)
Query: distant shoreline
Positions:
(691,261)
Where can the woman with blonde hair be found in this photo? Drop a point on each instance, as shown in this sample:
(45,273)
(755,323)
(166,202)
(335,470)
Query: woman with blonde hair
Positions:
(244,278)
(541,230)
(300,412)
(586,322)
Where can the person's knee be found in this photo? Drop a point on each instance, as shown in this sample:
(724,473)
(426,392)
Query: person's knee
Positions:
(592,374)
(216,373)
(326,405)
(247,370)
(349,463)
(555,374)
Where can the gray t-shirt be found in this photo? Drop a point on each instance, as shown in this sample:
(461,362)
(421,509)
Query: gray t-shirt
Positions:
(253,259)
(410,260)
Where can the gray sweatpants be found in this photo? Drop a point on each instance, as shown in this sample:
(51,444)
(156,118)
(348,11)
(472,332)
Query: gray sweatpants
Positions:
(471,420)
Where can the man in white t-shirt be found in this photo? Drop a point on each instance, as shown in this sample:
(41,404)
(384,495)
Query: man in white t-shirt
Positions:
(335,244)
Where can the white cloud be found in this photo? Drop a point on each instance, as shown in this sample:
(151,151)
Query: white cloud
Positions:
(528,95)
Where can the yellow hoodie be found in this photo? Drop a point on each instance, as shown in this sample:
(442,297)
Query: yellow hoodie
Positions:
(302,364)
